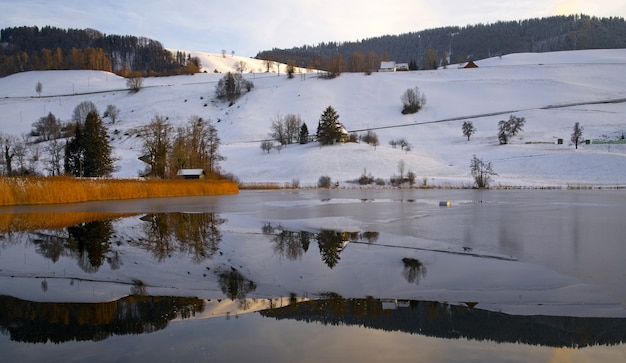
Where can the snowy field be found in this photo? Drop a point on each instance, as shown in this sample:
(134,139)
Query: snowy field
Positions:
(551,91)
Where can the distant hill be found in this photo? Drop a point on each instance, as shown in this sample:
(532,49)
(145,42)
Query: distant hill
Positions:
(49,48)
(431,48)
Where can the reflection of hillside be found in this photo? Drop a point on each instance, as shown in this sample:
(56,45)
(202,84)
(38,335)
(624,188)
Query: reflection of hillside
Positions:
(40,322)
(455,322)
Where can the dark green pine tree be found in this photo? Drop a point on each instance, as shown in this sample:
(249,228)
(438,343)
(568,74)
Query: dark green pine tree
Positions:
(88,154)
(328,131)
(304,134)
(74,152)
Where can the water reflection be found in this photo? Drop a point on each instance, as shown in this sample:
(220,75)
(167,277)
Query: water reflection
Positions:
(195,234)
(292,245)
(42,322)
(94,242)
(414,270)
(442,320)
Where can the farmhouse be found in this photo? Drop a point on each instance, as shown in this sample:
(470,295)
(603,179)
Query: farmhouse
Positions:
(192,173)
(387,66)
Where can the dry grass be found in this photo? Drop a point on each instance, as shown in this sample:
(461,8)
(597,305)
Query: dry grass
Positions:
(261,186)
(57,190)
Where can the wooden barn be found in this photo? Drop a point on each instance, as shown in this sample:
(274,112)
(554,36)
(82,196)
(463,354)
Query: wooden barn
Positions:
(192,173)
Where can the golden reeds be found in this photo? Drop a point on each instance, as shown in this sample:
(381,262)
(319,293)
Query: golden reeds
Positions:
(57,190)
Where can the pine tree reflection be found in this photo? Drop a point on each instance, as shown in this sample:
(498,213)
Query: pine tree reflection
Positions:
(91,240)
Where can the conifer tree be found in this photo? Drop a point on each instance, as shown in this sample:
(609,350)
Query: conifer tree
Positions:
(88,153)
(328,131)
(304,134)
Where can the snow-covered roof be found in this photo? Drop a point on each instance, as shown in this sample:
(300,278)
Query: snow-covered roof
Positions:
(189,172)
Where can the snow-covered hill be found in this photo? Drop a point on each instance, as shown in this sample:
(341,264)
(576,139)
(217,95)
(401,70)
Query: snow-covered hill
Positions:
(590,85)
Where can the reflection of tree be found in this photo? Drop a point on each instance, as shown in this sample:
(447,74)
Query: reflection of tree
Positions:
(196,234)
(42,322)
(370,237)
(414,270)
(138,288)
(330,244)
(51,246)
(91,240)
(236,286)
(292,245)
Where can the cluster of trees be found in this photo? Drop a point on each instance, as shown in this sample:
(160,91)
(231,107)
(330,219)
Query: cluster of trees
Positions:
(166,150)
(32,48)
(231,86)
(79,147)
(432,48)
(289,129)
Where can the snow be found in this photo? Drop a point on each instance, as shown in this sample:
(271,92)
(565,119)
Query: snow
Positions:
(551,91)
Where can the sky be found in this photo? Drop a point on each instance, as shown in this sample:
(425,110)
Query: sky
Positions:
(224,25)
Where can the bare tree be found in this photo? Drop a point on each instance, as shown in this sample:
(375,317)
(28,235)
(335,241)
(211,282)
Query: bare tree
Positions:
(241,66)
(82,110)
(267,145)
(482,172)
(577,134)
(112,112)
(55,156)
(134,84)
(401,168)
(278,131)
(157,141)
(47,127)
(292,127)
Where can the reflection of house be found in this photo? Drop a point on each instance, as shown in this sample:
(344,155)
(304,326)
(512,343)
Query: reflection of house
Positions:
(192,173)
(387,66)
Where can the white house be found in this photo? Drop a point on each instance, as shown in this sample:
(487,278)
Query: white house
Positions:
(387,66)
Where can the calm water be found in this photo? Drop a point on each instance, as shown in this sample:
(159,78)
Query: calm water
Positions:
(516,276)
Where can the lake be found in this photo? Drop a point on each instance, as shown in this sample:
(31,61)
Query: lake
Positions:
(310,275)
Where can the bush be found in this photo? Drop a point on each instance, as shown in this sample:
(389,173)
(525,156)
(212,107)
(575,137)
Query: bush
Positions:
(324,182)
(366,179)
(412,100)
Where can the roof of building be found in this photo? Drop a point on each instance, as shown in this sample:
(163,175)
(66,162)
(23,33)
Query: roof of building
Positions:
(190,172)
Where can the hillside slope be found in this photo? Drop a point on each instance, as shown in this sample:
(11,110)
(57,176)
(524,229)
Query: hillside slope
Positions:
(532,86)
